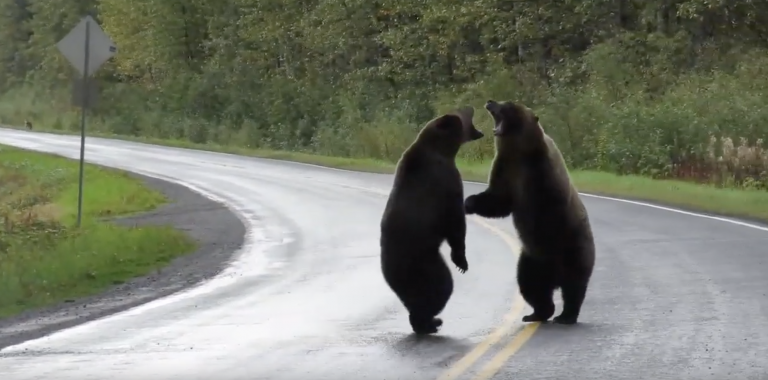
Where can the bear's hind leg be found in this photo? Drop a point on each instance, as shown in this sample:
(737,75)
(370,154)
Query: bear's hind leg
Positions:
(536,280)
(429,297)
(573,291)
(424,326)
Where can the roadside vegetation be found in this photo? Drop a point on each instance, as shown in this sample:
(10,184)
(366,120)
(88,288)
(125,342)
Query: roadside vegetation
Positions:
(657,100)
(45,258)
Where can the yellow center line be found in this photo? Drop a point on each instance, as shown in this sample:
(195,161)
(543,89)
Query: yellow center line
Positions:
(498,361)
(510,320)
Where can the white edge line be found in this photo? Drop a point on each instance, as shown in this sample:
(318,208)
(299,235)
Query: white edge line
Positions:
(670,209)
(205,286)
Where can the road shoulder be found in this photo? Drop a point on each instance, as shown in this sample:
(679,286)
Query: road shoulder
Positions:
(218,232)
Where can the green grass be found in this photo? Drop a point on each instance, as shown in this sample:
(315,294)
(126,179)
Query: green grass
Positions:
(45,258)
(751,204)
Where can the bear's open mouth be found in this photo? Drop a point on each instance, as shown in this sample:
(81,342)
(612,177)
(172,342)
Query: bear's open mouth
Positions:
(493,109)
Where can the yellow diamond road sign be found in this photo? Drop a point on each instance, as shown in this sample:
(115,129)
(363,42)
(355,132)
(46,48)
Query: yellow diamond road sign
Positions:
(100,46)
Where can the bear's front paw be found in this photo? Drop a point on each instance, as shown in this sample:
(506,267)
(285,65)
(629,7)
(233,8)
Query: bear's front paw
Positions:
(469,205)
(460,260)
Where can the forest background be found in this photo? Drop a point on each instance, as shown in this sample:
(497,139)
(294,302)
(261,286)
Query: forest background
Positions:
(667,89)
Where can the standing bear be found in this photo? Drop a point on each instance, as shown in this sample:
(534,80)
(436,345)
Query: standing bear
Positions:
(425,208)
(530,181)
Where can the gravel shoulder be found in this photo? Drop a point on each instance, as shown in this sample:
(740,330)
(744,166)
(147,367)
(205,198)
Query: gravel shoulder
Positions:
(218,232)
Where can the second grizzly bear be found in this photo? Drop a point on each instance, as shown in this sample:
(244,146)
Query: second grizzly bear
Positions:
(530,181)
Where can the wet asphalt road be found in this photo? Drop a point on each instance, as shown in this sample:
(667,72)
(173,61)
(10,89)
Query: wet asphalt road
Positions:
(674,296)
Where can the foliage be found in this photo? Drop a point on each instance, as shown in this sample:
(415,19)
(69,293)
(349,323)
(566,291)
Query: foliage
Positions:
(656,88)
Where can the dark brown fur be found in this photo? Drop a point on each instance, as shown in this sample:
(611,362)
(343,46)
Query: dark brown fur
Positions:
(530,181)
(426,207)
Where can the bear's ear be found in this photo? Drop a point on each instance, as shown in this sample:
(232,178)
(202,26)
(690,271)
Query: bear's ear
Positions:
(535,119)
(465,113)
(447,122)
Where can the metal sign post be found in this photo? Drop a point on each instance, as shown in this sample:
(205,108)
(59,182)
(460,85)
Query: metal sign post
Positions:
(86,47)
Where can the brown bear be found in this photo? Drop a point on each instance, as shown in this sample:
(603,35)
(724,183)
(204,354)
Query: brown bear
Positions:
(425,208)
(530,181)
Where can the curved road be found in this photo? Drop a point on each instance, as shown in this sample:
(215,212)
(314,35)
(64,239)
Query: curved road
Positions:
(674,295)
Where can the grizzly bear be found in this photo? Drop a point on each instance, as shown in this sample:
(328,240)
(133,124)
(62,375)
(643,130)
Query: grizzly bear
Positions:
(530,181)
(425,208)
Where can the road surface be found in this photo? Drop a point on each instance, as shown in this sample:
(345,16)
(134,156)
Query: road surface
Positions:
(674,295)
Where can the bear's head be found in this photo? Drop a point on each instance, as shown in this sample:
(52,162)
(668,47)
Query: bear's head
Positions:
(448,132)
(515,125)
